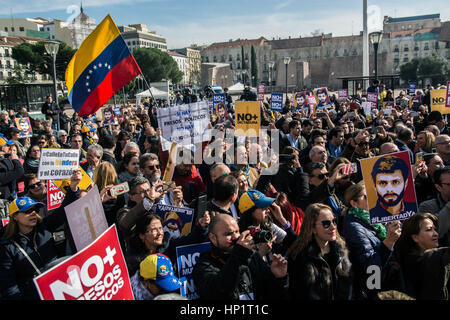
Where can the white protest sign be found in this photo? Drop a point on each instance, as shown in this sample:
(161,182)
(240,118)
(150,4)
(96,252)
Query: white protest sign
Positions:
(367,106)
(58,164)
(185,124)
(86,218)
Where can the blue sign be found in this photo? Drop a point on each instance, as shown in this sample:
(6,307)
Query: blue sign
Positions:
(276,102)
(412,88)
(186,259)
(218,97)
(117,111)
(177,221)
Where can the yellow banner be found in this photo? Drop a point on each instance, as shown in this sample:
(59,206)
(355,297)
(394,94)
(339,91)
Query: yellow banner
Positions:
(248,118)
(437,100)
(86,182)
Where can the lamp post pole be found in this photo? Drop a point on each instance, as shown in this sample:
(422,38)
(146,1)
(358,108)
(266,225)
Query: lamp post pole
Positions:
(286,61)
(271,64)
(375,39)
(52,49)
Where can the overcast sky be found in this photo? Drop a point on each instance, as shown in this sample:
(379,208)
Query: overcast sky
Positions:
(186,22)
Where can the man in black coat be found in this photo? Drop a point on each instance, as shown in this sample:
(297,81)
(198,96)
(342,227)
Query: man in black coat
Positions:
(10,170)
(51,109)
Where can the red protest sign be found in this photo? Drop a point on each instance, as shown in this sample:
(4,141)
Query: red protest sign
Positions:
(54,196)
(447,96)
(5,222)
(261,89)
(98,272)
(372,97)
(342,94)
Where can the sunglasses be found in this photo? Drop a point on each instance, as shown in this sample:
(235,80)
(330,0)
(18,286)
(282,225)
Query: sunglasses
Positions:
(363,143)
(35,185)
(327,223)
(154,167)
(321,176)
(31,210)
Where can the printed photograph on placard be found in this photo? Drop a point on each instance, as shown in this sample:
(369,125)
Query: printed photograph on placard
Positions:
(23,124)
(108,116)
(323,100)
(390,187)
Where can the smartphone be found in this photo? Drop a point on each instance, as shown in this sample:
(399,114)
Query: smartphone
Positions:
(351,114)
(419,157)
(169,185)
(201,205)
(119,189)
(354,167)
(375,130)
(320,114)
(286,157)
(414,114)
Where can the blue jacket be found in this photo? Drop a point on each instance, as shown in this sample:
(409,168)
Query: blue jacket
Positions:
(366,249)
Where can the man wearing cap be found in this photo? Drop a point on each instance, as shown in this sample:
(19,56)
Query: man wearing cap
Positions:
(87,133)
(233,270)
(154,277)
(10,170)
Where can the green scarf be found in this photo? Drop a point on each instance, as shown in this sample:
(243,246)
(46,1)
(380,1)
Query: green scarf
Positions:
(363,215)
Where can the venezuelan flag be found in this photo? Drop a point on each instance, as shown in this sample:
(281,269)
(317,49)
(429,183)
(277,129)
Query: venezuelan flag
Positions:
(101,66)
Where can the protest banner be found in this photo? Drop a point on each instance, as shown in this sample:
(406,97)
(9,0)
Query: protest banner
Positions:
(219,107)
(177,221)
(5,221)
(372,97)
(342,94)
(98,272)
(247,118)
(86,182)
(170,167)
(300,101)
(186,259)
(57,164)
(108,116)
(86,218)
(186,124)
(322,98)
(367,107)
(261,91)
(312,103)
(24,125)
(388,105)
(414,102)
(438,98)
(276,102)
(447,96)
(390,187)
(54,196)
(412,88)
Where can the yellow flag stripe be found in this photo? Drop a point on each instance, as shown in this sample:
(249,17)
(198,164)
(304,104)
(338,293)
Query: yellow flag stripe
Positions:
(90,49)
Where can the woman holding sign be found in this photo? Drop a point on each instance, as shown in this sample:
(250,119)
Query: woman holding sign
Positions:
(27,245)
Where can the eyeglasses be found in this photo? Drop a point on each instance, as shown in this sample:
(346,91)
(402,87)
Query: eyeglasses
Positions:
(29,211)
(154,167)
(321,176)
(143,191)
(35,185)
(327,223)
(363,143)
(155,230)
(444,142)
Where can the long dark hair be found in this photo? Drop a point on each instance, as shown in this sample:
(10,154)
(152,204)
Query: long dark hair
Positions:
(246,220)
(126,160)
(136,243)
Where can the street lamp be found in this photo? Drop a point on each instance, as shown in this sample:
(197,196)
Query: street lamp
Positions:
(286,61)
(52,49)
(375,39)
(271,64)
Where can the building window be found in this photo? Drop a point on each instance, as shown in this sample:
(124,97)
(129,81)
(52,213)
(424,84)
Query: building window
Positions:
(395,27)
(355,52)
(416,47)
(12,29)
(231,66)
(21,29)
(396,48)
(238,57)
(405,58)
(214,59)
(6,52)
(436,45)
(417,26)
(409,26)
(6,29)
(426,46)
(403,27)
(238,65)
(230,58)
(336,53)
(345,52)
(406,48)
(134,43)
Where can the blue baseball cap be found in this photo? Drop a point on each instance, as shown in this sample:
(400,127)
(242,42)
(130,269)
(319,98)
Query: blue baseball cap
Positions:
(22,204)
(158,267)
(4,141)
(254,198)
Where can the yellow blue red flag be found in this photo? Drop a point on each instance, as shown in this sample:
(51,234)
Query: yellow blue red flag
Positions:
(101,66)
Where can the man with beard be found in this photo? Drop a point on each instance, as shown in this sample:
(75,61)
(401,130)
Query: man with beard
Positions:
(390,177)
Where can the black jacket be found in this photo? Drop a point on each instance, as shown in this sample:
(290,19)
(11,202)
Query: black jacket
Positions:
(46,107)
(313,276)
(16,272)
(10,170)
(228,276)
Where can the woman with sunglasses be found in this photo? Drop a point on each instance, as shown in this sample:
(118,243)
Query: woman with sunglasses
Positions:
(319,267)
(369,245)
(27,246)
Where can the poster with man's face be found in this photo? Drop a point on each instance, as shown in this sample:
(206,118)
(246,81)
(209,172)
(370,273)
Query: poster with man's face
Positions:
(390,187)
(323,100)
(300,101)
(23,124)
(108,116)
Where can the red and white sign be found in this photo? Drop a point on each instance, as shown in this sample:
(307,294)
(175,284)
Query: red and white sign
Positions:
(261,90)
(54,196)
(372,97)
(98,272)
(5,222)
(447,96)
(342,94)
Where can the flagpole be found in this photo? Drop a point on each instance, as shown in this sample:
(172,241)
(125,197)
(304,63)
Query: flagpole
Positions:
(149,88)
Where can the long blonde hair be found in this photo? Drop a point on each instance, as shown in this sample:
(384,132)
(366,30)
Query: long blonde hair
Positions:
(12,228)
(306,234)
(105,174)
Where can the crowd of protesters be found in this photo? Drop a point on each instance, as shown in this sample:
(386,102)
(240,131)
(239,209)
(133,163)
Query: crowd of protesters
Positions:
(302,233)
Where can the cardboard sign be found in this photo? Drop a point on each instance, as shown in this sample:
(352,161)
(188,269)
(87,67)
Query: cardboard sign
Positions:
(247,118)
(186,124)
(300,100)
(261,90)
(438,98)
(5,221)
(108,116)
(322,98)
(372,97)
(312,104)
(177,221)
(55,196)
(342,94)
(367,107)
(24,125)
(186,259)
(117,111)
(412,88)
(98,272)
(57,164)
(219,107)
(86,218)
(276,102)
(390,187)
